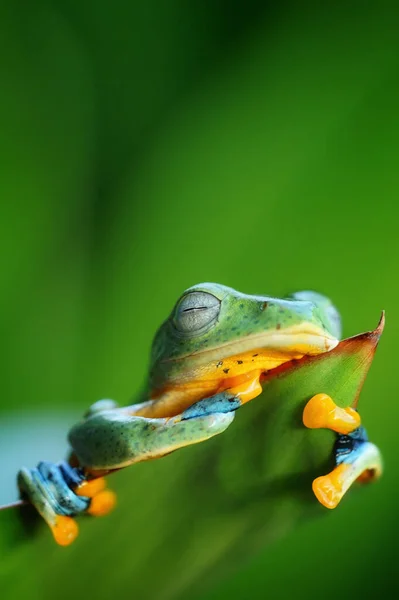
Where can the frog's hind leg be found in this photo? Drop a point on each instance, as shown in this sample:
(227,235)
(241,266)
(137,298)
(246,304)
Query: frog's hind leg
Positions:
(356,458)
(50,488)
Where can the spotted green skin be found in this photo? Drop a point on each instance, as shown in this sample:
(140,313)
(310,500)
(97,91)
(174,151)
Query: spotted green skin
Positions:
(111,438)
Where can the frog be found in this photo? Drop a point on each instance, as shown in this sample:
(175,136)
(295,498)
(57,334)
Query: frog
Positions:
(208,359)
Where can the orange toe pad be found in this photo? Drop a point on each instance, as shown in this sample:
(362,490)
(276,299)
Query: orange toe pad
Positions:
(65,530)
(102,503)
(321,412)
(329,489)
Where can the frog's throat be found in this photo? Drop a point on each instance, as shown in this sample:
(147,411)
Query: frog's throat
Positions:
(305,338)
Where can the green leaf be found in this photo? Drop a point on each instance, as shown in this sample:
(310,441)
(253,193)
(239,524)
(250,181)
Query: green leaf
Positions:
(190,518)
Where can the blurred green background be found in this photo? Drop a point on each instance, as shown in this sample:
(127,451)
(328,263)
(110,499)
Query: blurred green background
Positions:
(148,146)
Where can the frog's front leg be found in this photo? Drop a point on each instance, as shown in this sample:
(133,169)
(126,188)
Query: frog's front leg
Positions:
(106,440)
(356,458)
(100,406)
(113,439)
(61,491)
(102,501)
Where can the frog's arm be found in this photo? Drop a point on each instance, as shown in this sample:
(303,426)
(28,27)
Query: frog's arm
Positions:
(107,439)
(113,439)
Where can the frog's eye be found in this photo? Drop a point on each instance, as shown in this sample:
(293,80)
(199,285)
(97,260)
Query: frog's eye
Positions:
(196,313)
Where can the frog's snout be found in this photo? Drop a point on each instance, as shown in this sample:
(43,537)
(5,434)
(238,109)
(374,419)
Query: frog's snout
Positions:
(317,344)
(304,338)
(330,343)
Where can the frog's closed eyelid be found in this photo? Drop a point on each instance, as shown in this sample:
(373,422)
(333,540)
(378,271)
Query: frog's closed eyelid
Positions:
(196,312)
(197,299)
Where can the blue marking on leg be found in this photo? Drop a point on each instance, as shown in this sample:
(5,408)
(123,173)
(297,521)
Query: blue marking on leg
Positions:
(220,403)
(348,447)
(49,488)
(64,500)
(72,475)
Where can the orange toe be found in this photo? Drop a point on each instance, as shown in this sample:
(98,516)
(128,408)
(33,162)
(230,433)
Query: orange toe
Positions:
(102,503)
(321,412)
(91,487)
(247,387)
(65,530)
(329,489)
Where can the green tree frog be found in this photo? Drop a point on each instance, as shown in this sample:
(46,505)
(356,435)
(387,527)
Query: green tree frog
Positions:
(208,359)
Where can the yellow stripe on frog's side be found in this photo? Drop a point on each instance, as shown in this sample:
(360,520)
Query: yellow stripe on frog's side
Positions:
(235,366)
(239,374)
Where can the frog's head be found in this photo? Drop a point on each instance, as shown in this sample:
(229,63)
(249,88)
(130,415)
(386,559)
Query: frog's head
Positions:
(215,332)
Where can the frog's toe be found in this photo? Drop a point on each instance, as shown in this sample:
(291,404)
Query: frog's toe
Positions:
(321,412)
(246,390)
(328,489)
(64,529)
(356,459)
(102,503)
(90,487)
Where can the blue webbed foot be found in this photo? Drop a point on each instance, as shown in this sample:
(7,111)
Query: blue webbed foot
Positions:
(50,488)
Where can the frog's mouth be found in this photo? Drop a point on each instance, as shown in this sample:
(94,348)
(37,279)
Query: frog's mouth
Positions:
(286,343)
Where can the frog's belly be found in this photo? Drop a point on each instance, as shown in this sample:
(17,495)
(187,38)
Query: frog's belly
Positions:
(211,379)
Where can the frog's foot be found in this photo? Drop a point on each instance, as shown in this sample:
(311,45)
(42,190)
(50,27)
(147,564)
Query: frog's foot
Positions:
(321,412)
(49,488)
(356,459)
(60,492)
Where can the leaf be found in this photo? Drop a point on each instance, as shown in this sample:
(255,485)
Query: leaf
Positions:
(196,514)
